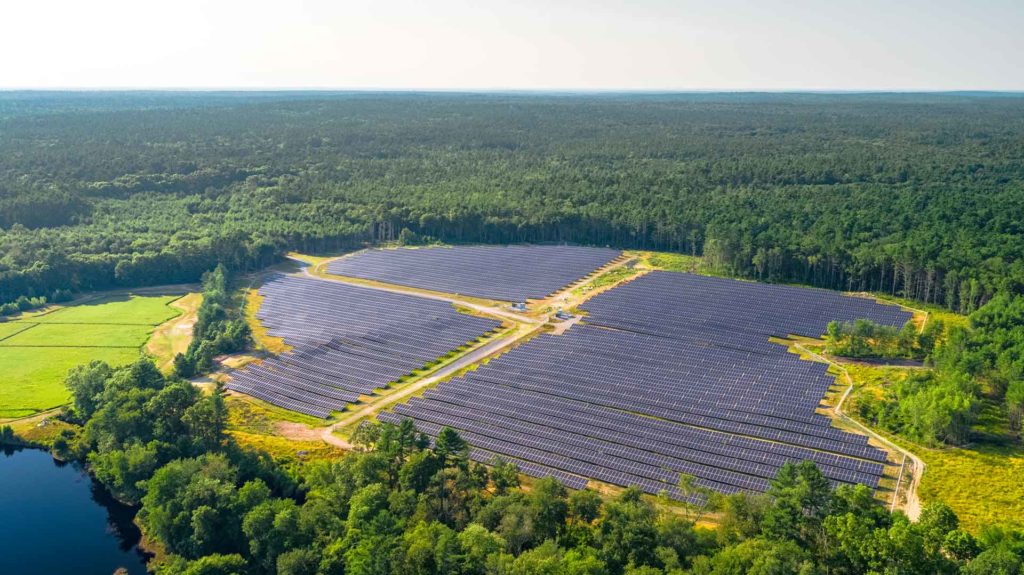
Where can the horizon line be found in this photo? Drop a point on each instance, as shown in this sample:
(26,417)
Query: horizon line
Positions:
(410,90)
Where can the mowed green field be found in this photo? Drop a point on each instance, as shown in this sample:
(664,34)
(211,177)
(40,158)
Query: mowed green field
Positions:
(9,329)
(80,335)
(38,349)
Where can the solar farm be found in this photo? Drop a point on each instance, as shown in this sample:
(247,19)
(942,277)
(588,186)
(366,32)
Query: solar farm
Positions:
(504,273)
(668,373)
(672,373)
(347,341)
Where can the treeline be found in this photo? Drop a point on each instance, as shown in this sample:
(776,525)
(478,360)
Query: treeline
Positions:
(23,303)
(219,329)
(865,339)
(399,506)
(914,195)
(979,365)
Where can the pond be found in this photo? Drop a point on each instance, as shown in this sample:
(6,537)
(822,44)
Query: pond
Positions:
(55,519)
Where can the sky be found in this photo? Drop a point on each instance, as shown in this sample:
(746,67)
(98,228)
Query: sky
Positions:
(514,44)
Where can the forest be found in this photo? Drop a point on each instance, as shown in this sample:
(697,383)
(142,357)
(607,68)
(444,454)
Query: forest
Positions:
(919,196)
(398,505)
(916,196)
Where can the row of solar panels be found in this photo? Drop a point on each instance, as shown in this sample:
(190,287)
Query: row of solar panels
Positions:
(674,375)
(348,342)
(731,306)
(506,273)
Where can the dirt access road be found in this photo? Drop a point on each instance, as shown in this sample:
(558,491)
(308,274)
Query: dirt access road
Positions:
(526,326)
(912,505)
(470,358)
(487,310)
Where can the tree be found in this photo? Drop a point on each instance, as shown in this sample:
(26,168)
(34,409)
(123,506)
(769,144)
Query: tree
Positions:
(209,565)
(626,531)
(801,497)
(697,499)
(937,521)
(272,527)
(301,561)
(450,448)
(996,561)
(190,506)
(549,507)
(85,383)
(1015,404)
(504,475)
(761,556)
(478,544)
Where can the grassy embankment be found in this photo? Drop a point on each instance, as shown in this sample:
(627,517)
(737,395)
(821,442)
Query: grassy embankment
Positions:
(983,482)
(37,349)
(173,337)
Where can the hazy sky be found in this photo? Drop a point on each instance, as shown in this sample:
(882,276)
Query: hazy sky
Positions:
(514,44)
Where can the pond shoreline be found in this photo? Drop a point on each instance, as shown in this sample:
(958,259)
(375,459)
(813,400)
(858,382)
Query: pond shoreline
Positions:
(95,533)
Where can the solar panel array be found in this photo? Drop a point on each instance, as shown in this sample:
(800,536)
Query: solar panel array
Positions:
(506,273)
(674,374)
(347,341)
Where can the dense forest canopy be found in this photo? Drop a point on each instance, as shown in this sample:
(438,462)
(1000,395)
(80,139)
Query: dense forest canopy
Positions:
(916,195)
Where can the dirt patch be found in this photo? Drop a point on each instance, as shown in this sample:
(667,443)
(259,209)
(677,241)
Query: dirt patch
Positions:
(297,431)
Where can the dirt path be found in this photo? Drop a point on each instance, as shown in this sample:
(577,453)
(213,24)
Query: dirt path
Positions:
(487,310)
(526,326)
(475,356)
(174,336)
(912,504)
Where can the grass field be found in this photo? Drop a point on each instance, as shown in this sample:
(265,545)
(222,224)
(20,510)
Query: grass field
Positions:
(38,349)
(982,482)
(31,378)
(79,335)
(9,329)
(122,310)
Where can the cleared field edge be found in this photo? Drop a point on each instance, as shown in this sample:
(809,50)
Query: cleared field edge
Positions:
(264,341)
(904,469)
(174,335)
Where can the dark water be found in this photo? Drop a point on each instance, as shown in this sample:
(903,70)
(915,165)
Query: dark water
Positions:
(55,520)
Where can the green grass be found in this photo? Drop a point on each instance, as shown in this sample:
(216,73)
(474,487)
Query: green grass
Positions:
(252,415)
(8,329)
(981,482)
(32,378)
(122,310)
(984,484)
(37,350)
(80,335)
(671,262)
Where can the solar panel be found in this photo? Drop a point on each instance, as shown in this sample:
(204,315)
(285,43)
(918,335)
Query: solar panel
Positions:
(671,373)
(506,273)
(348,341)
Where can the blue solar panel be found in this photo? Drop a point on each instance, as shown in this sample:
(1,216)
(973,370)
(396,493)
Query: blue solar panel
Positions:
(671,373)
(348,341)
(506,273)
